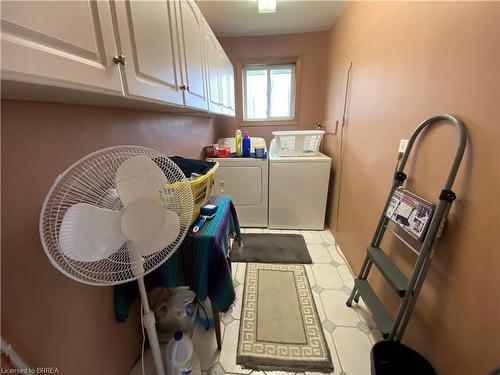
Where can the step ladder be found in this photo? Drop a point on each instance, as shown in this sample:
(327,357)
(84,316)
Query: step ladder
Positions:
(407,289)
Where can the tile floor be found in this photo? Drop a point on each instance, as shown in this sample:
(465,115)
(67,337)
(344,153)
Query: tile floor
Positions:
(350,332)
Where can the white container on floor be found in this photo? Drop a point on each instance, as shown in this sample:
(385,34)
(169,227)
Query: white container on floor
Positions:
(180,359)
(149,367)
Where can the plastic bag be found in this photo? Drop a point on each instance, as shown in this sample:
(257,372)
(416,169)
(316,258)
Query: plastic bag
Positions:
(178,313)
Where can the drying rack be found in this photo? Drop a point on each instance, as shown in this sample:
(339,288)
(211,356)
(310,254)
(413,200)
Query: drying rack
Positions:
(407,289)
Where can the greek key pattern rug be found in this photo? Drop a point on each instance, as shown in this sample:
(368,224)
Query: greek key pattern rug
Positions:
(279,326)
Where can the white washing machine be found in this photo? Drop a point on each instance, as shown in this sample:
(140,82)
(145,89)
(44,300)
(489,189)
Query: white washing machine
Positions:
(298,190)
(246,182)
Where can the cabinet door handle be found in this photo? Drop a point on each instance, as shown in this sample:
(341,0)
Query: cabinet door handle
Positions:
(221,186)
(120,60)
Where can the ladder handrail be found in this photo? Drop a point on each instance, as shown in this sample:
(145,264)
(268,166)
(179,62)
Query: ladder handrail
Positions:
(421,266)
(440,213)
(460,147)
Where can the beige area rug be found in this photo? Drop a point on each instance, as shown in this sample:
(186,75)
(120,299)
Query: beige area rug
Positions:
(279,326)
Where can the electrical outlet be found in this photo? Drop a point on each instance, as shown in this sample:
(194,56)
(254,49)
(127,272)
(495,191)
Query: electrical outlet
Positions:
(403,143)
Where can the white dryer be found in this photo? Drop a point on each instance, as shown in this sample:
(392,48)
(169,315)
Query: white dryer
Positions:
(246,182)
(298,190)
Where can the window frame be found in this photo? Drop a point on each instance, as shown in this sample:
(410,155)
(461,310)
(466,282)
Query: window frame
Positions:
(268,68)
(241,66)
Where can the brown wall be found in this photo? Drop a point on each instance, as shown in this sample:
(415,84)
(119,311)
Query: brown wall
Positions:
(49,319)
(412,60)
(311,47)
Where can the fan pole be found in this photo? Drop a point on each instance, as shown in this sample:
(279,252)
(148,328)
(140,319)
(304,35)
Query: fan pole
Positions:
(149,324)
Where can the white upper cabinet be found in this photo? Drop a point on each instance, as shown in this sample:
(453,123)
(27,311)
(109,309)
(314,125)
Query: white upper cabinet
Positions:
(223,85)
(213,69)
(227,84)
(161,51)
(220,76)
(193,62)
(148,38)
(63,44)
(231,89)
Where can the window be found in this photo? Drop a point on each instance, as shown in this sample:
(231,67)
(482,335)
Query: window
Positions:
(268,92)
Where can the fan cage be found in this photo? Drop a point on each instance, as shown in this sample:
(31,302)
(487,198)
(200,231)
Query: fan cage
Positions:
(92,180)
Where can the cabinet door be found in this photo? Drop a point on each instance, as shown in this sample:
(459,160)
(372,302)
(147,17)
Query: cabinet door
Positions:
(213,71)
(223,84)
(231,89)
(227,85)
(66,44)
(193,67)
(148,38)
(242,184)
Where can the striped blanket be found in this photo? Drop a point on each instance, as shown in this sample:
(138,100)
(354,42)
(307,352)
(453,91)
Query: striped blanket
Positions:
(200,263)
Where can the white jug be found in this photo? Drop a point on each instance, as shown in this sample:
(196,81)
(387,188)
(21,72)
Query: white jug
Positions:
(179,353)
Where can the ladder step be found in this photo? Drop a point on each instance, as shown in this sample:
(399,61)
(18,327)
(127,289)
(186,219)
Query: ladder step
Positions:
(380,316)
(389,270)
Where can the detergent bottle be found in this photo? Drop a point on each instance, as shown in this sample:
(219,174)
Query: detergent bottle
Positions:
(179,355)
(246,144)
(237,138)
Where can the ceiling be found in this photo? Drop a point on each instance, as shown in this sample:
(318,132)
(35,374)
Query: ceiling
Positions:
(240,17)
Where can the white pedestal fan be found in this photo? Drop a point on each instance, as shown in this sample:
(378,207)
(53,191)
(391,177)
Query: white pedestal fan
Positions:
(114,216)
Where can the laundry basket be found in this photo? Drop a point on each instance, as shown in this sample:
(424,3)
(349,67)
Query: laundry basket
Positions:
(299,142)
(201,187)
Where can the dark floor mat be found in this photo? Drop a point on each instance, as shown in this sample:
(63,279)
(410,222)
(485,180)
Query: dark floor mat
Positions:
(271,248)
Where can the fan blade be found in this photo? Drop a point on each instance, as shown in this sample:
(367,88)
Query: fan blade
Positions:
(89,233)
(149,226)
(168,234)
(138,177)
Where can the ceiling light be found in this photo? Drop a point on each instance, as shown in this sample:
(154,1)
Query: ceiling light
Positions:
(267,6)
